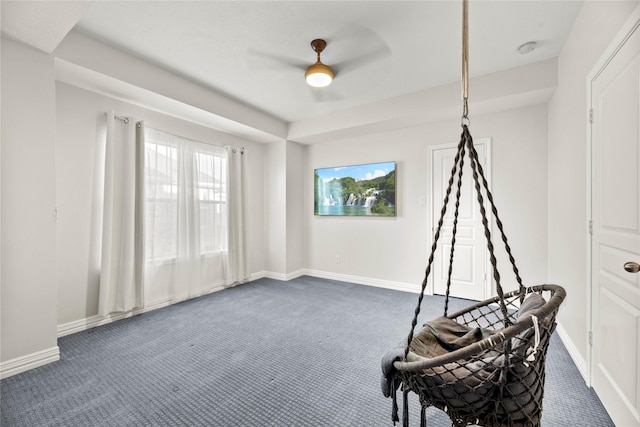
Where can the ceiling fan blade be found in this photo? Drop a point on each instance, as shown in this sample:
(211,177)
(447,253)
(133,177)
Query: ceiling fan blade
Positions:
(361,61)
(323,95)
(273,60)
(360,45)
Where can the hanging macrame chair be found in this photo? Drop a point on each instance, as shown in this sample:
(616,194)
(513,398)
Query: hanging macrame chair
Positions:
(483,365)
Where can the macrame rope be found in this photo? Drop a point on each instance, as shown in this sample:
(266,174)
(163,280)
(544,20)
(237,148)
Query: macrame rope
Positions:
(512,260)
(405,407)
(479,181)
(436,237)
(394,408)
(473,154)
(453,232)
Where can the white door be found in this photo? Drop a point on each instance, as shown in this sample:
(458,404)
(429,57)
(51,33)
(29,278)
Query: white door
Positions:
(469,278)
(615,195)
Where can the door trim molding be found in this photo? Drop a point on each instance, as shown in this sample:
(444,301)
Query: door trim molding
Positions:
(488,283)
(626,31)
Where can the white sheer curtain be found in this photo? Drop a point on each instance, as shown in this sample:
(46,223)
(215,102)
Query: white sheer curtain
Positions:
(238,271)
(122,257)
(186,216)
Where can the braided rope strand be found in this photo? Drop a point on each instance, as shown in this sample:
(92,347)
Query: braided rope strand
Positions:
(512,260)
(455,229)
(473,154)
(443,211)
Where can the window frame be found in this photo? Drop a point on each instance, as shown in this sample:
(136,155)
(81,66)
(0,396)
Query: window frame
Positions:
(221,202)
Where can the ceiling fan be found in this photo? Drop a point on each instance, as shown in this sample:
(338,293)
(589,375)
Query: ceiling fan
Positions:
(362,46)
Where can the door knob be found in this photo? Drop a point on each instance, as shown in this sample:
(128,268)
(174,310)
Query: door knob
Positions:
(632,267)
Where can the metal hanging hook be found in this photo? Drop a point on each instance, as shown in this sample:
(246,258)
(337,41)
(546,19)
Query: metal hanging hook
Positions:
(465,63)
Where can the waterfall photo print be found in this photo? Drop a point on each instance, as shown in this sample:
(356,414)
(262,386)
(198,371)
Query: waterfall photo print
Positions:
(359,190)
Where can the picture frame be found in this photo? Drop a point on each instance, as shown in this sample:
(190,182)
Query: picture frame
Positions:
(367,189)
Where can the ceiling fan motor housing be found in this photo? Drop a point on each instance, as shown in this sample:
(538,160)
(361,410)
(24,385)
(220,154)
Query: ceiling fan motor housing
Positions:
(319,74)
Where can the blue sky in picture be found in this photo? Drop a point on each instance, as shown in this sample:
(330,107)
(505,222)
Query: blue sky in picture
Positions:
(357,172)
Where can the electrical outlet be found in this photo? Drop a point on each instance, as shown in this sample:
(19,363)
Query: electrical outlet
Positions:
(337,259)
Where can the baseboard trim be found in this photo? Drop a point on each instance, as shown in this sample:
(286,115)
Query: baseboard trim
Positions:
(359,280)
(257,275)
(275,276)
(368,281)
(578,360)
(284,277)
(94,321)
(30,361)
(296,274)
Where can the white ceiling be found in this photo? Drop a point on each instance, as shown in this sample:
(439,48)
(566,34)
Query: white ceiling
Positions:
(256,51)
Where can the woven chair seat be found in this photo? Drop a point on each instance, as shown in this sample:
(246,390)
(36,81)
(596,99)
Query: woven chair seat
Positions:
(488,375)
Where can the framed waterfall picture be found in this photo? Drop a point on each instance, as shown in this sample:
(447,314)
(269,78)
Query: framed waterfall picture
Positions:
(359,190)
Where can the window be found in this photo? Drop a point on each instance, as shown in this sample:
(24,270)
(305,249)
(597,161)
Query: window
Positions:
(185,198)
(211,185)
(161,201)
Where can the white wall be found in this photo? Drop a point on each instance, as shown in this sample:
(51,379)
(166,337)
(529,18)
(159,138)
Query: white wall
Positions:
(275,219)
(29,314)
(393,251)
(593,30)
(283,181)
(296,243)
(79,152)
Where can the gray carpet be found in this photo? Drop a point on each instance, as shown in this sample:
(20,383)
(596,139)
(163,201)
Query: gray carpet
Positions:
(268,353)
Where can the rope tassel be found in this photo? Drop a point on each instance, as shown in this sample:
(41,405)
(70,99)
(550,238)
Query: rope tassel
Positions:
(405,408)
(394,407)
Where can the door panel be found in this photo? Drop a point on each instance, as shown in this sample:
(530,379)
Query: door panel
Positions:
(615,196)
(619,330)
(468,279)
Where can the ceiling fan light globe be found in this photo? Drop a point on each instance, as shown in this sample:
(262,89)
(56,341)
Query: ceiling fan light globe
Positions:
(318,80)
(319,75)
